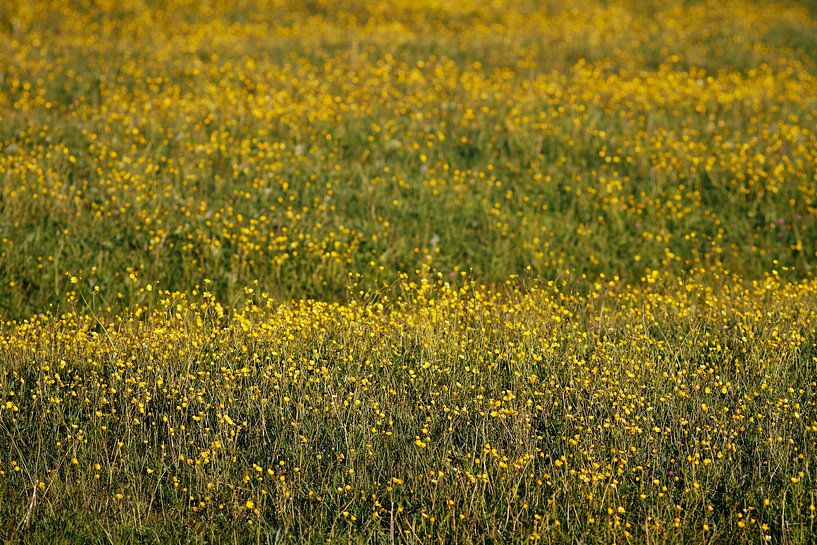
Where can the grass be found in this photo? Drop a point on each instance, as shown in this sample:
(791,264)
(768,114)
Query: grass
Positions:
(407,272)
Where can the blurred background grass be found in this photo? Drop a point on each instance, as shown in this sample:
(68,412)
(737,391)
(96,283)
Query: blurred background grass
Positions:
(307,147)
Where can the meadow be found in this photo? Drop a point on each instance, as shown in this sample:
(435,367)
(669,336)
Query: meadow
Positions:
(348,271)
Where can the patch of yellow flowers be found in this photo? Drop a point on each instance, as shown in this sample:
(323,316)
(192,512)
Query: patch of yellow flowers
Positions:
(411,271)
(621,413)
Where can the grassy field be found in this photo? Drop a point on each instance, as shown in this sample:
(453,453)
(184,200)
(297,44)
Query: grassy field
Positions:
(410,272)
